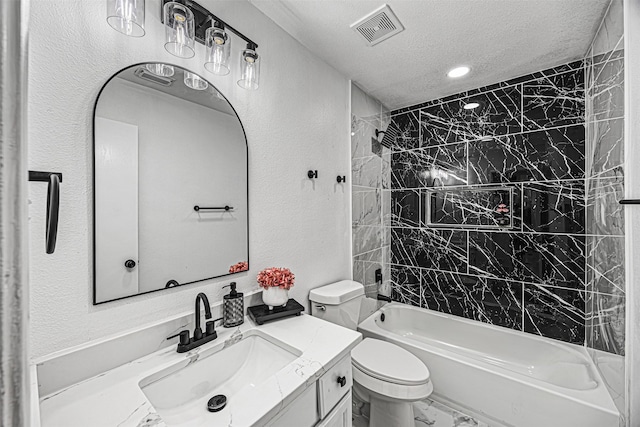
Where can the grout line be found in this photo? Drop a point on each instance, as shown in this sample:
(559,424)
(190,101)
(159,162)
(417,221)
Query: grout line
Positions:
(510,281)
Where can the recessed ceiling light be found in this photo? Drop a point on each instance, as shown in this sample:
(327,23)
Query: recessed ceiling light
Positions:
(471,105)
(458,72)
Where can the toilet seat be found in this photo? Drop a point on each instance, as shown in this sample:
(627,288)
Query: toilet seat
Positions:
(390,363)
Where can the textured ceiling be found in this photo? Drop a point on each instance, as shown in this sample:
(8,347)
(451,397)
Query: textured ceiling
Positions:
(498,39)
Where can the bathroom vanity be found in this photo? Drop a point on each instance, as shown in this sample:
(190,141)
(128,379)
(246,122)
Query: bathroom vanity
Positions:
(295,371)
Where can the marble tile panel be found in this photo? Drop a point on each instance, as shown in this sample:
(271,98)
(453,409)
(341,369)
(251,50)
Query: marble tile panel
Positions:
(550,154)
(371,208)
(554,207)
(478,207)
(363,105)
(362,134)
(611,30)
(555,313)
(574,66)
(358,270)
(605,148)
(547,259)
(606,264)
(499,113)
(405,208)
(405,284)
(429,248)
(605,322)
(605,216)
(385,178)
(387,208)
(551,101)
(366,238)
(366,171)
(444,165)
(408,126)
(491,301)
(606,95)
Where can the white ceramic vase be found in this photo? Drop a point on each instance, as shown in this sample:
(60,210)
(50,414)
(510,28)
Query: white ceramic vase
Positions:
(275,297)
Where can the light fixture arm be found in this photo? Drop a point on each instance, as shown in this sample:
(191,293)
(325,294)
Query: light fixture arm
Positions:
(203,19)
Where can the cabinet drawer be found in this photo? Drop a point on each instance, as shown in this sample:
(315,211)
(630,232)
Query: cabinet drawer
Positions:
(300,413)
(341,414)
(334,384)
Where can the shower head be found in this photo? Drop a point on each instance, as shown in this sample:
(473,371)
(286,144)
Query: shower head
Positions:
(389,135)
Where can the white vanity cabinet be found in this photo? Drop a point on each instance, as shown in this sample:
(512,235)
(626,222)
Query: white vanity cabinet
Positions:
(326,404)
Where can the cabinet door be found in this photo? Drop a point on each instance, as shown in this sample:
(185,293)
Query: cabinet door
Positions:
(341,414)
(333,385)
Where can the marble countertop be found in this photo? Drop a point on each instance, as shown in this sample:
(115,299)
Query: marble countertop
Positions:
(114,398)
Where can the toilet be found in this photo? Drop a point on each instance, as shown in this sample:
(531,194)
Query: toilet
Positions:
(385,375)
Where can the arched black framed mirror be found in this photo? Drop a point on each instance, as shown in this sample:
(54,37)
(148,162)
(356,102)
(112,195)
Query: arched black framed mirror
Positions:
(170,183)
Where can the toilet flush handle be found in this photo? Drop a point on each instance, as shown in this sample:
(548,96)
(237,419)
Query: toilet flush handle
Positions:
(342,381)
(321,307)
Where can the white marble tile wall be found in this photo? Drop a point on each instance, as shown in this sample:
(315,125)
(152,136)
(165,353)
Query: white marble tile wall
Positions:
(370,174)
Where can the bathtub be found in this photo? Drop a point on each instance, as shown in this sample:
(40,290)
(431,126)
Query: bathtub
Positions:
(500,376)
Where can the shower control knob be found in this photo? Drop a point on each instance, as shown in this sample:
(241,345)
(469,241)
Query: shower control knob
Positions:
(129,263)
(342,381)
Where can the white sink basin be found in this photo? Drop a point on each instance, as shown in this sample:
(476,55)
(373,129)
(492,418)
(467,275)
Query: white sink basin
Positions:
(180,393)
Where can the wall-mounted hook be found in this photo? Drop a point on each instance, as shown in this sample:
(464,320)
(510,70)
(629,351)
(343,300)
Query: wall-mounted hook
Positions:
(312,174)
(341,179)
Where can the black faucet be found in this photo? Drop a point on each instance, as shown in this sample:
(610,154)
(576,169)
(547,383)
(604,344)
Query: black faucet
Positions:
(199,338)
(197,332)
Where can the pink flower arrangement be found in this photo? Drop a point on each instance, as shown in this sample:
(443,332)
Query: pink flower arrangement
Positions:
(238,267)
(274,276)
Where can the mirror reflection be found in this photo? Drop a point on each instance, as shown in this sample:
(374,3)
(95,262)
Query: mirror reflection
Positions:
(170,183)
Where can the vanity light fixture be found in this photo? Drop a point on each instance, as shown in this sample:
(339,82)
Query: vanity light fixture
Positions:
(179,30)
(186,22)
(160,69)
(471,105)
(249,68)
(218,49)
(458,72)
(126,16)
(194,81)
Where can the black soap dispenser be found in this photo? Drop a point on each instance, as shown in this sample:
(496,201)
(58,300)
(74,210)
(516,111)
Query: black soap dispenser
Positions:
(233,307)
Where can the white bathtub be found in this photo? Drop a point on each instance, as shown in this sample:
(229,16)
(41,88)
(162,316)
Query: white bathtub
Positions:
(501,376)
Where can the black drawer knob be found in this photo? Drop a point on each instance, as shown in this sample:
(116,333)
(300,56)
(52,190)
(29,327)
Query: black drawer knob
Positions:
(342,381)
(129,263)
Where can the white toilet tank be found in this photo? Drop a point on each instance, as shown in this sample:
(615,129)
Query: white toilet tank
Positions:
(338,303)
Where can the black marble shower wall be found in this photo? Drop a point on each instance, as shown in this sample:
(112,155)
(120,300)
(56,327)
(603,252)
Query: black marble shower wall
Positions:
(488,204)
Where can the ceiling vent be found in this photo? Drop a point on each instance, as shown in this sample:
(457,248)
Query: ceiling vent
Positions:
(378,26)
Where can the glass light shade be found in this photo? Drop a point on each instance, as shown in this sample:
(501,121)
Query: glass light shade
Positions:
(218,51)
(249,70)
(162,70)
(126,16)
(194,81)
(179,30)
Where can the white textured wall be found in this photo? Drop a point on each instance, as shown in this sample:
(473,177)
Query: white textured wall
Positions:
(296,121)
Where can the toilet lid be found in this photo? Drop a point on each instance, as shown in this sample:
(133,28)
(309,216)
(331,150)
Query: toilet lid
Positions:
(389,362)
